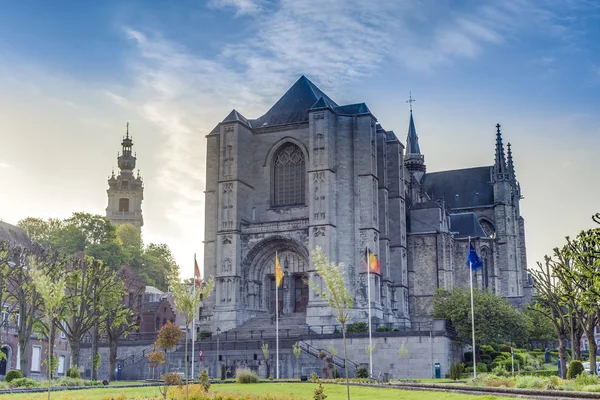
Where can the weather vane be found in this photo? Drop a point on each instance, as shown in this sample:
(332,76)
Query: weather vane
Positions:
(410,100)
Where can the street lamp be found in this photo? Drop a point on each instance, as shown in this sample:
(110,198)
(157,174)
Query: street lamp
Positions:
(430,324)
(218,330)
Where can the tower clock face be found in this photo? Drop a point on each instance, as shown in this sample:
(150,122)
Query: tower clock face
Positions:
(487,227)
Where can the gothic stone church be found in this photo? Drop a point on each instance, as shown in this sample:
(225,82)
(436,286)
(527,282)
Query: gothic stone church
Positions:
(313,173)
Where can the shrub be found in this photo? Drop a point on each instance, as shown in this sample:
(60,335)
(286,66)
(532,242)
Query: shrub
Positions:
(223,372)
(23,382)
(584,379)
(499,371)
(357,327)
(246,375)
(469,357)
(504,348)
(204,380)
(541,372)
(531,382)
(12,374)
(499,381)
(74,372)
(172,379)
(383,329)
(481,367)
(319,393)
(66,381)
(592,388)
(4,385)
(92,383)
(454,371)
(575,368)
(486,348)
(362,372)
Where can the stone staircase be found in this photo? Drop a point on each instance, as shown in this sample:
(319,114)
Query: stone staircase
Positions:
(290,326)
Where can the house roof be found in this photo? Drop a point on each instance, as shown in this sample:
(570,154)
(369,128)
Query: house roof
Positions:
(466,224)
(461,188)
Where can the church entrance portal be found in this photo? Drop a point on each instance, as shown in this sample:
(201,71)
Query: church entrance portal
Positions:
(300,294)
(273,296)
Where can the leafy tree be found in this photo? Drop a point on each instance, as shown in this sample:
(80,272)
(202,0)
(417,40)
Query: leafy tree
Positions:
(52,292)
(337,295)
(91,288)
(24,297)
(549,303)
(540,329)
(157,266)
(168,337)
(495,320)
(120,318)
(187,300)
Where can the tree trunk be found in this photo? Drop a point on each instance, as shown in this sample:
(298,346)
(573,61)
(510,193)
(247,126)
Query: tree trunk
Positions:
(562,355)
(75,349)
(23,346)
(589,332)
(112,362)
(346,360)
(573,341)
(94,350)
(51,342)
(187,393)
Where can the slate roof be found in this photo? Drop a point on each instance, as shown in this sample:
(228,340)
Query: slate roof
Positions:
(14,235)
(236,116)
(293,106)
(461,188)
(412,140)
(466,225)
(353,109)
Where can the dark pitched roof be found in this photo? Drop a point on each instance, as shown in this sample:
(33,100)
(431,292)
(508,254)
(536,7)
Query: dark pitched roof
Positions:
(293,106)
(236,116)
(466,225)
(412,140)
(353,109)
(461,188)
(321,103)
(14,235)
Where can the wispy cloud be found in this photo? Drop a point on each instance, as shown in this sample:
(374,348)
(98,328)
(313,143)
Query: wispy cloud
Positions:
(334,42)
(5,165)
(241,6)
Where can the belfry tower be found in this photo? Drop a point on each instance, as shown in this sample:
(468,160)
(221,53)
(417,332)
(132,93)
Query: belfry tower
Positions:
(125,191)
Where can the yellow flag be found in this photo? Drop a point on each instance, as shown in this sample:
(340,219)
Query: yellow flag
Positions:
(278,271)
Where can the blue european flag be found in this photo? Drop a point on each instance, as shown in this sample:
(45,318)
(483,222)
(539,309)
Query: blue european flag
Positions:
(473,259)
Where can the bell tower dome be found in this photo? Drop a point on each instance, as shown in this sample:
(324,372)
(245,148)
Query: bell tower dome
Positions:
(125,191)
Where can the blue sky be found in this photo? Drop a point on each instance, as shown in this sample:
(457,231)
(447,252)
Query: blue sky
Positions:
(72,73)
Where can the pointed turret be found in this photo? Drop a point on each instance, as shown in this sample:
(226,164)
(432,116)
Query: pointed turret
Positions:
(412,140)
(500,170)
(511,167)
(413,159)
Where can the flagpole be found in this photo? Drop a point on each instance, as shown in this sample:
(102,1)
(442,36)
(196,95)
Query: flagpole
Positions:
(276,321)
(194,321)
(472,314)
(369,301)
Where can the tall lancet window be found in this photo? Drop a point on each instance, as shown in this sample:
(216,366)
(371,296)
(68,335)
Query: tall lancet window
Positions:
(289,171)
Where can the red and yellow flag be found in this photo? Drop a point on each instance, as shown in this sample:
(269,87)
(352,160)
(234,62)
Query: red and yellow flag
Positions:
(197,273)
(278,271)
(372,262)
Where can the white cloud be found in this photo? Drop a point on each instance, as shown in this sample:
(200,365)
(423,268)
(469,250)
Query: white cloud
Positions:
(241,6)
(333,42)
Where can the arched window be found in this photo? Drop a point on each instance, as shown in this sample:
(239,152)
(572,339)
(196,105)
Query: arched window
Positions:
(289,176)
(124,185)
(124,205)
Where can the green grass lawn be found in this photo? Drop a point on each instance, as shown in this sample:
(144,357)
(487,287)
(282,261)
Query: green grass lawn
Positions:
(300,391)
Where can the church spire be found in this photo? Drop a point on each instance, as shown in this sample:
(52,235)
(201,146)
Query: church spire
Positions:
(500,164)
(511,167)
(412,140)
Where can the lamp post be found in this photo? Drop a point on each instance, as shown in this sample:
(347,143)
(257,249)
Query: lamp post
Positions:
(431,346)
(218,362)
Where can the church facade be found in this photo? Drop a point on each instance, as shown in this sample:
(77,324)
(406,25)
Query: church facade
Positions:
(311,173)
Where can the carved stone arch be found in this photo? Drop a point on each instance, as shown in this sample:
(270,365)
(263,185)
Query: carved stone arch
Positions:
(259,266)
(282,142)
(488,226)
